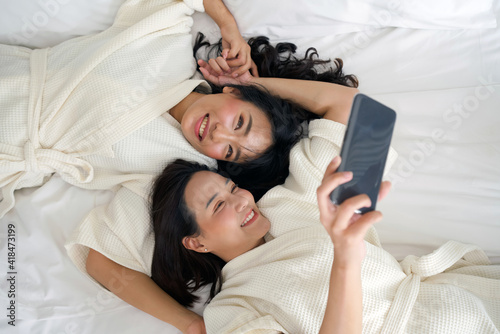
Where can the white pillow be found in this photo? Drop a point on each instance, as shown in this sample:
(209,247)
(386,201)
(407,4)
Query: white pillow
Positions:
(288,19)
(43,23)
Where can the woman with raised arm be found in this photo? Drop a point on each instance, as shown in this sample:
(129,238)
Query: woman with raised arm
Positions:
(187,256)
(224,220)
(273,269)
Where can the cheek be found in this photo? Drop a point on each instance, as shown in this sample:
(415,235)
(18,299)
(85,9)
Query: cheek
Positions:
(188,130)
(189,120)
(261,140)
(225,231)
(228,110)
(248,195)
(189,138)
(212,150)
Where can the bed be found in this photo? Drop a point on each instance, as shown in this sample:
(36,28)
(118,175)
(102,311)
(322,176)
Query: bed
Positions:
(436,64)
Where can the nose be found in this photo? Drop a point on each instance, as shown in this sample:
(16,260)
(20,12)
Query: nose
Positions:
(240,203)
(220,133)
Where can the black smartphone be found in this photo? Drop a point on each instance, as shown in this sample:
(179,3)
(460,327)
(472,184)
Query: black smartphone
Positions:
(364,150)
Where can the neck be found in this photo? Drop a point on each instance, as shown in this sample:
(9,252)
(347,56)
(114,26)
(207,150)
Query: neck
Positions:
(180,108)
(261,242)
(233,256)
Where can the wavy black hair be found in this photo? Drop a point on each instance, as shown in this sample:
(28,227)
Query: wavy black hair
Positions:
(179,271)
(270,168)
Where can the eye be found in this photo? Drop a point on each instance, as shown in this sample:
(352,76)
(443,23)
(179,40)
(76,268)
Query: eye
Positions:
(240,123)
(229,152)
(235,186)
(219,205)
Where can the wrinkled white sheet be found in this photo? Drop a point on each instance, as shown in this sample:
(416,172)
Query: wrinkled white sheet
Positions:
(443,84)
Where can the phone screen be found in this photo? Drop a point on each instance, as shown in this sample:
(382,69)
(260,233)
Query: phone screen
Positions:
(364,150)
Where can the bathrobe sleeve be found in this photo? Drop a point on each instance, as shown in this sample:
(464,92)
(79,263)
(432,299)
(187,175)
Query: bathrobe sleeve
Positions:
(308,162)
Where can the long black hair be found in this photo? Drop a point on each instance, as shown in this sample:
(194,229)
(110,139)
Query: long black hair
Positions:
(179,271)
(280,61)
(270,168)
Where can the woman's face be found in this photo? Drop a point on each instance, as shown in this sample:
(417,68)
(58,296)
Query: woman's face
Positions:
(229,220)
(225,128)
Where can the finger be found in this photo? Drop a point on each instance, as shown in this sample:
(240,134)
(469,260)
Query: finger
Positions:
(224,53)
(363,224)
(332,181)
(233,52)
(385,187)
(203,64)
(328,185)
(215,67)
(346,210)
(208,76)
(244,68)
(223,64)
(332,166)
(331,169)
(246,63)
(331,178)
(254,70)
(236,62)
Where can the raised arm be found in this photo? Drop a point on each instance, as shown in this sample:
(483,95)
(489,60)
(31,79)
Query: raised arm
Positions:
(140,291)
(327,100)
(235,48)
(344,309)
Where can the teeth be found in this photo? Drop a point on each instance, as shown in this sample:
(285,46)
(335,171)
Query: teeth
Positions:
(202,126)
(250,216)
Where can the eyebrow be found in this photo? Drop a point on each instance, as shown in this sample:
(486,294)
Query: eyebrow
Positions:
(213,197)
(247,131)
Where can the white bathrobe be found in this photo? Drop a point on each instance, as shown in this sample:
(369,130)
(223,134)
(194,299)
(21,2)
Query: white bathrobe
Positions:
(282,286)
(90,110)
(63,108)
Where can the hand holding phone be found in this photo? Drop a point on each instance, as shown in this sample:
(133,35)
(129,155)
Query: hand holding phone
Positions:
(364,151)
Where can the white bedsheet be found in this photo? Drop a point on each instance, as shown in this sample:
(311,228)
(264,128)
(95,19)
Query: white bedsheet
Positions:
(444,84)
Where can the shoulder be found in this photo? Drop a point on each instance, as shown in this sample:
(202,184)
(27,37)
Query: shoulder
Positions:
(309,158)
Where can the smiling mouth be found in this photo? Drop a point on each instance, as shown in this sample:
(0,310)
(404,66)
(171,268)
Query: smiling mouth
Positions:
(252,216)
(203,125)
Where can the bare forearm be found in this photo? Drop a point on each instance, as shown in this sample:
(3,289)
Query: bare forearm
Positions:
(219,13)
(139,290)
(344,310)
(324,99)
(145,295)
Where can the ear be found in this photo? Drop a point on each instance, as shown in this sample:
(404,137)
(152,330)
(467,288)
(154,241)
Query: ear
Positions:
(230,90)
(193,244)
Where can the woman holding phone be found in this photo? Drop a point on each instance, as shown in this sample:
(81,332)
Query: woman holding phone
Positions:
(295,263)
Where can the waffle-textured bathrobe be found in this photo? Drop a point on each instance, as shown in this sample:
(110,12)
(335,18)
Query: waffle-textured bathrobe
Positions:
(282,286)
(90,110)
(67,109)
